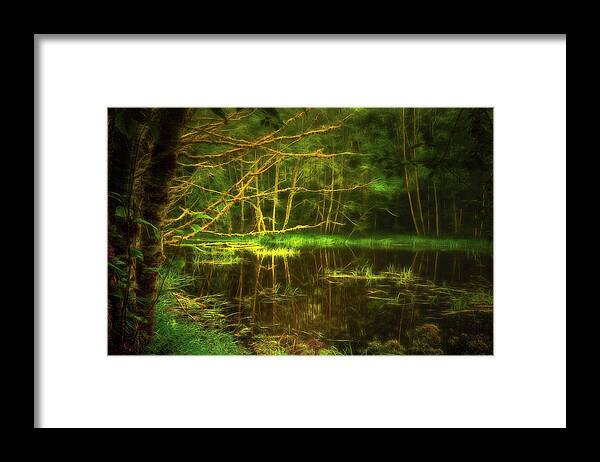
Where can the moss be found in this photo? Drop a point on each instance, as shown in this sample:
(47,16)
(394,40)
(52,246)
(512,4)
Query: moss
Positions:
(426,340)
(390,347)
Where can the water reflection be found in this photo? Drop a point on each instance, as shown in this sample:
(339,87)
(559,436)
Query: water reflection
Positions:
(296,294)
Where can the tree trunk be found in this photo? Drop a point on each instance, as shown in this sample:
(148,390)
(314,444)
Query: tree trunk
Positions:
(156,183)
(260,222)
(330,201)
(288,208)
(242,218)
(337,209)
(414,156)
(119,168)
(437,213)
(412,211)
(274,217)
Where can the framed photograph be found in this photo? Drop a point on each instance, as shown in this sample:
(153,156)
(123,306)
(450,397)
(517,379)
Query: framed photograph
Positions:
(300,231)
(353,228)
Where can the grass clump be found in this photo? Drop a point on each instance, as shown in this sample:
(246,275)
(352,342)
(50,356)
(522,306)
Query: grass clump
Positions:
(267,345)
(291,291)
(290,344)
(400,276)
(177,337)
(179,332)
(479,299)
(365,272)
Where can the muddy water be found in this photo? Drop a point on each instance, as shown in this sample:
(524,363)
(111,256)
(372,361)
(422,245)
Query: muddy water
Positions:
(296,295)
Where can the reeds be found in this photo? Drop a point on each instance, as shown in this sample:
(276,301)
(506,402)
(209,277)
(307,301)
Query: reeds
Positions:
(480,299)
(365,272)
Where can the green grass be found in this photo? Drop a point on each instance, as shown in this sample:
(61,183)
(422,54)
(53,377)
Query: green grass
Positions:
(478,299)
(177,336)
(399,276)
(295,240)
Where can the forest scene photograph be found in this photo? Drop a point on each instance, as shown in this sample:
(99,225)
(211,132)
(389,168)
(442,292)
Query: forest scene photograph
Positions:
(300,231)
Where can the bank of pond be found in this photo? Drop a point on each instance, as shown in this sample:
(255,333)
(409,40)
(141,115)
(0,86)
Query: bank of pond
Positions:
(311,294)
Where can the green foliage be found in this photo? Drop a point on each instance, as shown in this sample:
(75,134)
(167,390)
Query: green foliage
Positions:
(149,226)
(298,240)
(177,336)
(388,186)
(390,178)
(470,300)
(136,253)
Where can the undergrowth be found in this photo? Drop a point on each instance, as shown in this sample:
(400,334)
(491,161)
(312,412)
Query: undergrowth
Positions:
(176,335)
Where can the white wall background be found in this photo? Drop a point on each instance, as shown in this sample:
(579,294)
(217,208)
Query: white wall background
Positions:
(523,384)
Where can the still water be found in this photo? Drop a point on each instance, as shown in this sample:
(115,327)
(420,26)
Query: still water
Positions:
(319,294)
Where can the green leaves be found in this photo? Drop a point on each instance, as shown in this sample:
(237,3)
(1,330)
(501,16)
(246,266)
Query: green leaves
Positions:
(137,253)
(117,267)
(149,225)
(387,186)
(179,263)
(121,212)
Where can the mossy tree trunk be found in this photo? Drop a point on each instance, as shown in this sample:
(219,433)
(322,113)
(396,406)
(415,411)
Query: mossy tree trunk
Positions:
(121,132)
(156,184)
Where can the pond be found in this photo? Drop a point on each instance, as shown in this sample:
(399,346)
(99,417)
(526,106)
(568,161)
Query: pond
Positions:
(351,300)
